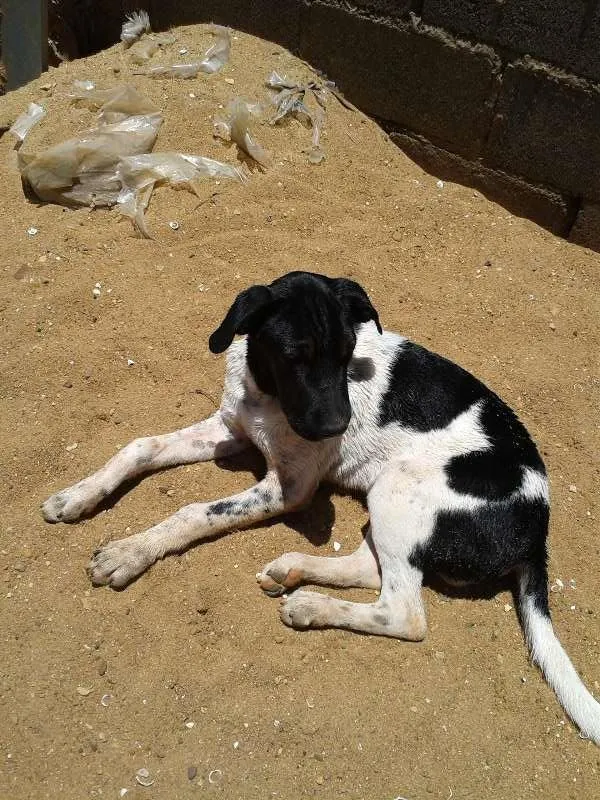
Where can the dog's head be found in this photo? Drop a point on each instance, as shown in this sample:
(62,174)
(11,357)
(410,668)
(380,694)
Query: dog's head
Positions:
(300,340)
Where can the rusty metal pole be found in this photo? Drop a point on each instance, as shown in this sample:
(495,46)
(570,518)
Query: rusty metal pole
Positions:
(24,40)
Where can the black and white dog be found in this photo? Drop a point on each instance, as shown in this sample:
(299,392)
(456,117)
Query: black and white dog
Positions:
(454,484)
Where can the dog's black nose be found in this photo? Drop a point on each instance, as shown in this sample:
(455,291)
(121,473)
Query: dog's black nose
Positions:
(331,429)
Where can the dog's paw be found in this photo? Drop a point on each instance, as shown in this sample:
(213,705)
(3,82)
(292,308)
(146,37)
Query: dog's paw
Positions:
(281,575)
(304,610)
(119,562)
(70,504)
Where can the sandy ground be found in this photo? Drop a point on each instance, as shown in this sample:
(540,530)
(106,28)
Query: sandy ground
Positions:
(202,676)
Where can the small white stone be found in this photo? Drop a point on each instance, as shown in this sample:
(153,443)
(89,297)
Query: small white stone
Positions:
(230,81)
(572,488)
(96,291)
(507,607)
(189,724)
(439,184)
(174,225)
(337,546)
(123,792)
(130,362)
(71,447)
(32,231)
(236,745)
(183,51)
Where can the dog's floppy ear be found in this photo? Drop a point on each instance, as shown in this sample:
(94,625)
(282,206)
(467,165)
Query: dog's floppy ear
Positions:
(241,317)
(354,298)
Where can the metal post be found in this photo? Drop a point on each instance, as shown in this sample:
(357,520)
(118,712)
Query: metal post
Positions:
(24,40)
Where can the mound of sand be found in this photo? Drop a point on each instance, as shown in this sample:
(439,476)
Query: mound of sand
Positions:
(322,714)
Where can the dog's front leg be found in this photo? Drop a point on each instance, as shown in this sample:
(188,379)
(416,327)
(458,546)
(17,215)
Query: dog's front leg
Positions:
(203,441)
(119,562)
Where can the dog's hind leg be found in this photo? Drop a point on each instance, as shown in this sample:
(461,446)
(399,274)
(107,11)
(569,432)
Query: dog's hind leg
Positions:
(402,510)
(360,569)
(203,441)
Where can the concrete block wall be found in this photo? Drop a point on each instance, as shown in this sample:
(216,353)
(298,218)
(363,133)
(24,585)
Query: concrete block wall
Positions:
(502,95)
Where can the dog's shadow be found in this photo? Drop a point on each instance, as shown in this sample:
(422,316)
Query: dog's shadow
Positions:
(315,522)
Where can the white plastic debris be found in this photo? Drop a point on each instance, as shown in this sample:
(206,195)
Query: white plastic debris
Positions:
(106,700)
(140,174)
(84,86)
(557,586)
(135,25)
(25,122)
(174,225)
(214,59)
(235,126)
(83,170)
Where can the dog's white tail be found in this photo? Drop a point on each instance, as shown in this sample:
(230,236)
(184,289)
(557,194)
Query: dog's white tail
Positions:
(548,654)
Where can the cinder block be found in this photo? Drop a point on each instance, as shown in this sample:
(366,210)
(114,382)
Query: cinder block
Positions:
(586,230)
(587,60)
(275,20)
(420,78)
(545,29)
(391,9)
(547,129)
(545,207)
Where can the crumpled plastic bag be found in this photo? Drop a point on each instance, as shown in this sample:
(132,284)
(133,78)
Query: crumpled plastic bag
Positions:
(214,59)
(112,163)
(25,121)
(83,170)
(235,126)
(135,25)
(139,175)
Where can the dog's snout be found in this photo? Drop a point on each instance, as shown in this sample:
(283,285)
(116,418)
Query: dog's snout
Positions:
(333,427)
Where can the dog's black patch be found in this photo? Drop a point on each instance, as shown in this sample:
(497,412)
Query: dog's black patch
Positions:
(488,542)
(361,369)
(230,508)
(426,392)
(497,472)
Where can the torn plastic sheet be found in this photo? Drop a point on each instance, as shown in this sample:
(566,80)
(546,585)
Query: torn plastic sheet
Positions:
(139,175)
(292,99)
(25,122)
(114,104)
(83,170)
(135,25)
(235,126)
(214,59)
